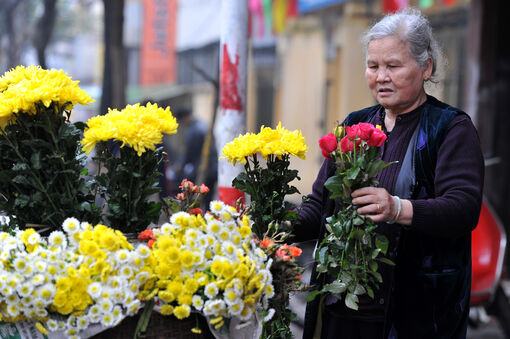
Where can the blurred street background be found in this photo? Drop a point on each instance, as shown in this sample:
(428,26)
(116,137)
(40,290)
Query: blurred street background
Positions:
(305,67)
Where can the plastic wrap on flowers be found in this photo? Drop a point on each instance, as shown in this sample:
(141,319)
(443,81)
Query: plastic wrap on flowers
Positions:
(210,265)
(71,280)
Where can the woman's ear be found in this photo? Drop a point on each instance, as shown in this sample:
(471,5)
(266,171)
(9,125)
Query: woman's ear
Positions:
(427,72)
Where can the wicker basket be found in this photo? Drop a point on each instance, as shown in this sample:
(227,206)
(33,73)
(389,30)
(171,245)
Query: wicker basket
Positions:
(160,327)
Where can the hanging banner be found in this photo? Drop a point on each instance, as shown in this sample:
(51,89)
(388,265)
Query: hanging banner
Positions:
(391,6)
(311,5)
(157,55)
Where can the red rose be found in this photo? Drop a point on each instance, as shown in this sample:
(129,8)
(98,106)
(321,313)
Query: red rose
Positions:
(352,131)
(328,143)
(377,138)
(347,145)
(365,130)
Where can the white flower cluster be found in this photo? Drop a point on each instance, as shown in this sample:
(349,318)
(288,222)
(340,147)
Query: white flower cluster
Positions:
(91,271)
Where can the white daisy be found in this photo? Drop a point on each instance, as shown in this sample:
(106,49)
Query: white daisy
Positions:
(34,238)
(82,322)
(94,290)
(47,291)
(197,302)
(211,290)
(71,225)
(216,206)
(143,251)
(236,307)
(52,325)
(166,228)
(57,239)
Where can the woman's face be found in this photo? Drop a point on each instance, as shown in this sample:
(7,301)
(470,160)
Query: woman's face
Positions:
(394,77)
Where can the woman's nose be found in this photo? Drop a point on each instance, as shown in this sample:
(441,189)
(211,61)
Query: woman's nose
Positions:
(382,75)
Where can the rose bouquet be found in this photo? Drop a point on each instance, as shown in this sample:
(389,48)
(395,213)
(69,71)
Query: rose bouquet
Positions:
(131,173)
(41,165)
(268,186)
(72,279)
(210,265)
(350,251)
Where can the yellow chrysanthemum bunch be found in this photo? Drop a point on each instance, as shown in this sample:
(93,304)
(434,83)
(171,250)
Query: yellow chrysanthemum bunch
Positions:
(267,142)
(211,265)
(140,127)
(22,88)
(91,274)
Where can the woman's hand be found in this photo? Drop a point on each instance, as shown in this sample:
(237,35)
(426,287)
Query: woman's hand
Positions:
(380,206)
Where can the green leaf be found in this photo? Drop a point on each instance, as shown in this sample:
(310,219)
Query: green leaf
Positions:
(35,160)
(359,290)
(387,261)
(85,171)
(351,301)
(334,184)
(375,253)
(370,292)
(373,266)
(323,255)
(381,242)
(336,287)
(311,296)
(353,173)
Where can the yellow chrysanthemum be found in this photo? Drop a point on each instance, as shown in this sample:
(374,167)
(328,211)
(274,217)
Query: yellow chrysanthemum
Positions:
(139,127)
(267,142)
(23,88)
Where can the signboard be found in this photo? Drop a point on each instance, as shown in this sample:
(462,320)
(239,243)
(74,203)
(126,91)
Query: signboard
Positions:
(311,5)
(157,56)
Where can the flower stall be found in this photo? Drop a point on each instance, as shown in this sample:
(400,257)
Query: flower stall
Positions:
(83,255)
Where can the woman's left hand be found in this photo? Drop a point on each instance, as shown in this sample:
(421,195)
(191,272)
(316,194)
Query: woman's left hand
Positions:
(377,203)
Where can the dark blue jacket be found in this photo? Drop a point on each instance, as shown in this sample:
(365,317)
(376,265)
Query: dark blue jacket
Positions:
(429,295)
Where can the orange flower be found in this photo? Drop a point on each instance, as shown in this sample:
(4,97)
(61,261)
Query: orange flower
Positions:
(266,243)
(146,234)
(295,251)
(196,211)
(151,242)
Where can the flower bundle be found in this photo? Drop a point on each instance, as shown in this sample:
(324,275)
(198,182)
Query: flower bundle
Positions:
(28,89)
(350,251)
(188,200)
(268,186)
(40,180)
(209,265)
(140,127)
(132,172)
(71,279)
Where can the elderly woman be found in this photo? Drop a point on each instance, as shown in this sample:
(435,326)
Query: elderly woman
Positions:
(427,203)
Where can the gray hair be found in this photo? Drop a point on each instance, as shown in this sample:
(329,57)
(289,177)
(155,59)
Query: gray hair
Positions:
(411,26)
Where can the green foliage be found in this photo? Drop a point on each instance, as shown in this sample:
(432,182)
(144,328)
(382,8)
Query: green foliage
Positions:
(350,251)
(267,188)
(41,168)
(127,184)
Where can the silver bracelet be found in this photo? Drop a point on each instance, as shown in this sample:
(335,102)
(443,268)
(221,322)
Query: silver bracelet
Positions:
(399,209)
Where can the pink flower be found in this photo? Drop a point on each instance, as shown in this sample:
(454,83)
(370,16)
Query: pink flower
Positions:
(180,196)
(328,144)
(204,189)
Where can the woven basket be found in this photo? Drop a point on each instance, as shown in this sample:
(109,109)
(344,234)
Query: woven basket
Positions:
(160,327)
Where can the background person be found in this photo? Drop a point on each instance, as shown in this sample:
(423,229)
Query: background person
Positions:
(439,181)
